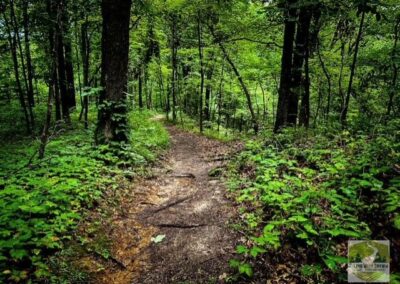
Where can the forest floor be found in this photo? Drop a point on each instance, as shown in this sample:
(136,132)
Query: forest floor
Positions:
(176,225)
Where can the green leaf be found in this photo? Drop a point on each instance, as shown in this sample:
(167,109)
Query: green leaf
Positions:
(242,249)
(246,269)
(158,239)
(234,263)
(18,254)
(309,228)
(255,251)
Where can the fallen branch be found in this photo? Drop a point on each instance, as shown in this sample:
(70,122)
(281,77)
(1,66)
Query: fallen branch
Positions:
(184,175)
(181,226)
(173,203)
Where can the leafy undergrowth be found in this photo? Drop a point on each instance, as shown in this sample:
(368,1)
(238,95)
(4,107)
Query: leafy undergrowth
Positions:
(42,201)
(303,195)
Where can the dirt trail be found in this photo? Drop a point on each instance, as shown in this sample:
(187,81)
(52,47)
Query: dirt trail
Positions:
(182,202)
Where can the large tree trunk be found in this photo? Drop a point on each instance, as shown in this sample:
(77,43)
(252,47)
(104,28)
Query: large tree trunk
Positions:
(61,75)
(301,46)
(112,121)
(286,66)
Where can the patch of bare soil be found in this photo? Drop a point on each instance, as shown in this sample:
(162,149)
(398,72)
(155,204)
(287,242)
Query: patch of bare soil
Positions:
(184,204)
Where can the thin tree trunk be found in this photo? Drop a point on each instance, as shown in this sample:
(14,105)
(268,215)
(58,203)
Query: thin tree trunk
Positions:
(13,48)
(264,102)
(174,54)
(220,94)
(161,79)
(15,25)
(140,87)
(61,75)
(45,132)
(240,79)
(395,67)
(343,116)
(209,75)
(85,54)
(201,73)
(328,79)
(28,52)
(305,23)
(304,117)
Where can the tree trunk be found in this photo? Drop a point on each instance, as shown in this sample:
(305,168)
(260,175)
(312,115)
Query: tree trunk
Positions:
(18,45)
(28,52)
(240,79)
(201,72)
(207,108)
(395,68)
(67,46)
(140,87)
(343,116)
(45,132)
(220,94)
(85,51)
(174,63)
(61,75)
(304,117)
(286,66)
(13,48)
(328,79)
(112,121)
(304,31)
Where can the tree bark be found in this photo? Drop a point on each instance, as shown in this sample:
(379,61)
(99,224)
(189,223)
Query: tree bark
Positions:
(200,47)
(29,66)
(286,66)
(343,115)
(395,68)
(85,54)
(13,48)
(174,63)
(240,79)
(112,121)
(140,87)
(207,107)
(304,30)
(329,81)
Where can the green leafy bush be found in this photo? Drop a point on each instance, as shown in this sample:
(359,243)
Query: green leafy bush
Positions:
(41,201)
(316,191)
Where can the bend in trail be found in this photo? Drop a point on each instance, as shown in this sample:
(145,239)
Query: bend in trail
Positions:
(184,204)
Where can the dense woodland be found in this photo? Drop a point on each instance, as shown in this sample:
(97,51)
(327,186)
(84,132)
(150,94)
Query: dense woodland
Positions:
(310,88)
